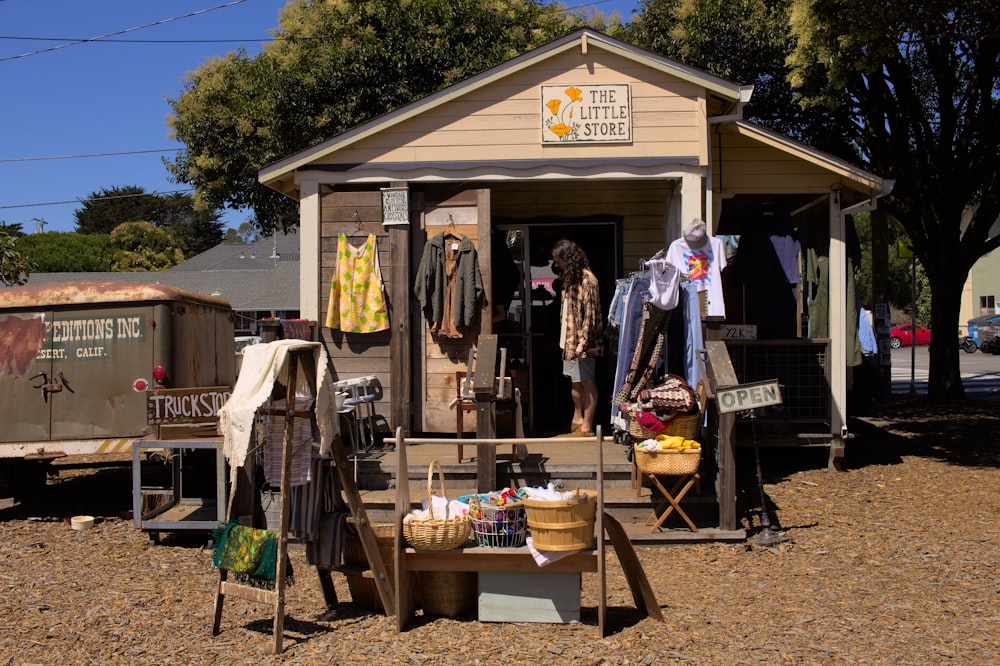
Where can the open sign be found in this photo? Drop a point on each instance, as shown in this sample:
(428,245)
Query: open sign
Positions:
(749,396)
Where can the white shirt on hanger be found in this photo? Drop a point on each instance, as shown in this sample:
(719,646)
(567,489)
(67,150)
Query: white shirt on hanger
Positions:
(702,262)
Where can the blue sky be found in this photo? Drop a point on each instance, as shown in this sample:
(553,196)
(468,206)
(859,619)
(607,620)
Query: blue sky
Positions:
(111,97)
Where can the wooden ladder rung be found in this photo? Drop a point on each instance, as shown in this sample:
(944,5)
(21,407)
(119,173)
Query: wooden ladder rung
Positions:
(347,569)
(247,592)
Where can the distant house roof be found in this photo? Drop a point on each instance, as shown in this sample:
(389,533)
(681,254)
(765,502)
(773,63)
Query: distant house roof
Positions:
(245,274)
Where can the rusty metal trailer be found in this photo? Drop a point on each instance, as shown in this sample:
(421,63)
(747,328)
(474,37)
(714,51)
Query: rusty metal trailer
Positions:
(78,361)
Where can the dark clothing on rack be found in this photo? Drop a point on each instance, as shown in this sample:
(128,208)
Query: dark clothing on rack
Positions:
(432,282)
(767,265)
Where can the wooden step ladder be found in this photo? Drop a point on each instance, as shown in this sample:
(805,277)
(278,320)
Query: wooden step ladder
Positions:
(276,597)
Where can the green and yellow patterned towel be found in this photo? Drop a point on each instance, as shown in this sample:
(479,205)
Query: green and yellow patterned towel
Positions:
(246,550)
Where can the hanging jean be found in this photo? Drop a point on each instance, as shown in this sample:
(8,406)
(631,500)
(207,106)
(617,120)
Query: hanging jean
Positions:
(631,318)
(693,338)
(357,300)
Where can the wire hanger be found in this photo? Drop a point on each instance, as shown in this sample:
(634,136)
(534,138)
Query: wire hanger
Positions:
(450,233)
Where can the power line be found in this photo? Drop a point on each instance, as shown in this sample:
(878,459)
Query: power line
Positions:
(73,41)
(122,32)
(84,40)
(117,196)
(73,157)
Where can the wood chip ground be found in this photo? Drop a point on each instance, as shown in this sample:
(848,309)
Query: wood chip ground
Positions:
(893,561)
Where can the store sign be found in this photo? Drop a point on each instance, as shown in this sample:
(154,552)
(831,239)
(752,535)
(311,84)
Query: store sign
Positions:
(186,405)
(749,396)
(395,206)
(587,114)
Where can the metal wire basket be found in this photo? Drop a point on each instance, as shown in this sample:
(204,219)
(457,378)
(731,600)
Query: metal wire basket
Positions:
(498,526)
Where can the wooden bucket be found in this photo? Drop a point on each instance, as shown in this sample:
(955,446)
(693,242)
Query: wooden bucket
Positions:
(566,524)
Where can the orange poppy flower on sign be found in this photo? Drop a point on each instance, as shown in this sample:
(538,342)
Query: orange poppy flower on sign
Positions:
(561,130)
(554,106)
(574,94)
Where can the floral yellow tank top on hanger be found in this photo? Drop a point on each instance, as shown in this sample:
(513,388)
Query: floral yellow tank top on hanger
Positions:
(357,297)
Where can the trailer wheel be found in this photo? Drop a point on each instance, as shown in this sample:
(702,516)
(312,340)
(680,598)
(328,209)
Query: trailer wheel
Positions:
(22,479)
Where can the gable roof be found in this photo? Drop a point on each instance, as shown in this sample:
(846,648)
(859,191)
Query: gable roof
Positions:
(585,38)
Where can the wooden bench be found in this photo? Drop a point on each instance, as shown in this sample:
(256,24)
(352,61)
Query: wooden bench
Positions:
(496,560)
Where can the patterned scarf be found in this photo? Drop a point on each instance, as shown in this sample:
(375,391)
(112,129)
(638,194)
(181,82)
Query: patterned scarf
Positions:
(246,550)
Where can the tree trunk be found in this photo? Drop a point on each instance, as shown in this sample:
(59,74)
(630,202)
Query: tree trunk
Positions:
(945,378)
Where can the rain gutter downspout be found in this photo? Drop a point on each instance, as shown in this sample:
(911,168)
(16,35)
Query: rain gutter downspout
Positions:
(735,113)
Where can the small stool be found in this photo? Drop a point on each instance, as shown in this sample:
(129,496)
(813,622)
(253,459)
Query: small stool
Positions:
(673,499)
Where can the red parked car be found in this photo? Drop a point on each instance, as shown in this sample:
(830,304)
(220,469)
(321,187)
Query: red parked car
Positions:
(907,334)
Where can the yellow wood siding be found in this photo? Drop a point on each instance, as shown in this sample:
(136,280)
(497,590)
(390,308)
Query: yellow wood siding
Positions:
(503,120)
(750,167)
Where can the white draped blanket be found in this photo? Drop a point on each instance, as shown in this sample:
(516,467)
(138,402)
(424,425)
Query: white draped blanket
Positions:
(263,365)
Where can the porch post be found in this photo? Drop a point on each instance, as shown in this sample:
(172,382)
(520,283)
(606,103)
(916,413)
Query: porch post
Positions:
(309,246)
(691,198)
(838,326)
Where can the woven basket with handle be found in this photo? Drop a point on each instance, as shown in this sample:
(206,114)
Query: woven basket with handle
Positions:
(681,426)
(436,533)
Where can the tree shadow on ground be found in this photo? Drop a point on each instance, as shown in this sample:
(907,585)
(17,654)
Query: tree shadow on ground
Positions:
(960,433)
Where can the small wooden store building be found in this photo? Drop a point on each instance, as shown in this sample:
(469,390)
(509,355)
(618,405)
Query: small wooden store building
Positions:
(586,137)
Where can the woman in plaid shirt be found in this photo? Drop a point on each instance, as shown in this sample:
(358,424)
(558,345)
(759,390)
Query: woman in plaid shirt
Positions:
(581,334)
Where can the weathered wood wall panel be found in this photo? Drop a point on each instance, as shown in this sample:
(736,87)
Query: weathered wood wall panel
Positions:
(357,214)
(444,356)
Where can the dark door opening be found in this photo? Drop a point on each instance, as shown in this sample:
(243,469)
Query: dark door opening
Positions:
(530,331)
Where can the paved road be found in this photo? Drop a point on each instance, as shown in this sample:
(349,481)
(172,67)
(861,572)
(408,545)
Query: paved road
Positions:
(980,372)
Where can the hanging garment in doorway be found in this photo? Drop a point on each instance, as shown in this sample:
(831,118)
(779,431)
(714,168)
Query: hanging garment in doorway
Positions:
(449,285)
(357,295)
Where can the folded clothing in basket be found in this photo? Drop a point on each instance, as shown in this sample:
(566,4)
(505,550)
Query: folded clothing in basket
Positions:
(441,509)
(668,443)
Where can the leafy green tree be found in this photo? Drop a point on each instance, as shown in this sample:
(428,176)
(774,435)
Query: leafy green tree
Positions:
(141,246)
(922,81)
(14,267)
(334,65)
(104,210)
(66,252)
(200,229)
(246,233)
(747,42)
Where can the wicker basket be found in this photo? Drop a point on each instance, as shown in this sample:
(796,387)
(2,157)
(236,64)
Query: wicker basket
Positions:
(685,426)
(364,593)
(667,462)
(436,533)
(447,593)
(498,526)
(566,524)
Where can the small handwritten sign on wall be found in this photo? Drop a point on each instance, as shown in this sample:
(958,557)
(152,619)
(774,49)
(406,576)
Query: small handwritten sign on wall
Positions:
(587,114)
(395,206)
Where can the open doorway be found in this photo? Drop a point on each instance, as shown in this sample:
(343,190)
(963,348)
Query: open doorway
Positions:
(530,331)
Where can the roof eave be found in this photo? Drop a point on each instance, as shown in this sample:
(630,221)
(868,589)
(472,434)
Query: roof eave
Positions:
(279,176)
